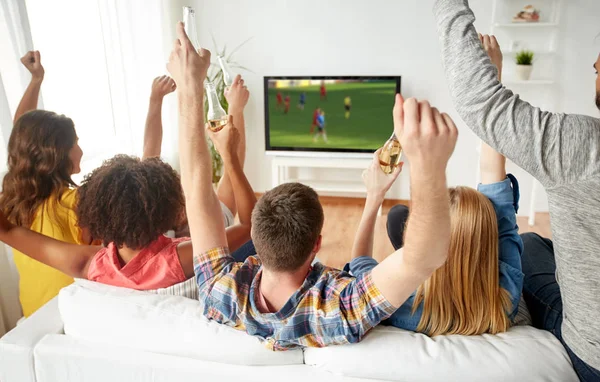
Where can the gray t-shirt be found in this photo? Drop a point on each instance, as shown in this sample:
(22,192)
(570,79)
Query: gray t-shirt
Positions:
(561,151)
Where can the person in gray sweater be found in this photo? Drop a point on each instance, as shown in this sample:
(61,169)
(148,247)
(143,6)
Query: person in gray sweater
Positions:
(562,151)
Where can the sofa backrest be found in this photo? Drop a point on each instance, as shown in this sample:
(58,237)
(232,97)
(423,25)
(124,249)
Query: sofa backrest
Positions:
(162,324)
(175,325)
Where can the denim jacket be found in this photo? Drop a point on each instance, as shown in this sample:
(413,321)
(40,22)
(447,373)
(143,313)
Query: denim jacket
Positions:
(505,198)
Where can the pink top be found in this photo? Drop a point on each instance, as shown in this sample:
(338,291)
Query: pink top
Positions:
(156,266)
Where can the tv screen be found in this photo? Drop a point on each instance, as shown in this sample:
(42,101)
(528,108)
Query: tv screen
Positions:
(329,114)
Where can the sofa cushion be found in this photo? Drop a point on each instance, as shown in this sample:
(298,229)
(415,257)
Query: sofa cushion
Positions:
(159,323)
(521,354)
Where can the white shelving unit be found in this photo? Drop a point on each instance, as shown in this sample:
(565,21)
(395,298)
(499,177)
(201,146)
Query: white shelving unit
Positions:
(281,166)
(541,38)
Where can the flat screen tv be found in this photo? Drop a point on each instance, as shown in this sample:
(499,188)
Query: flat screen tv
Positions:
(328,114)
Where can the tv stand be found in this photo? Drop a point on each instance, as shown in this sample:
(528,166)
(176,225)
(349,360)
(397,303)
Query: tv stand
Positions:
(281,166)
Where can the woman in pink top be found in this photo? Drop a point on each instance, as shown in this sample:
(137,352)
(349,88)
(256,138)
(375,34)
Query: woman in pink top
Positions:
(128,204)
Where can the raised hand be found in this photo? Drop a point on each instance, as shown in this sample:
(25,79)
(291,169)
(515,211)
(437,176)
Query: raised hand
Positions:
(377,181)
(226,140)
(237,95)
(427,136)
(161,86)
(33,62)
(187,66)
(492,48)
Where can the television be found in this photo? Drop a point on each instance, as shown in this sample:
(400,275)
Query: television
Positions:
(328,115)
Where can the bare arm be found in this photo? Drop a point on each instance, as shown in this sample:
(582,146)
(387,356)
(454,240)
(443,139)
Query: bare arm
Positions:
(71,259)
(31,61)
(227,142)
(555,148)
(378,183)
(237,234)
(492,164)
(153,132)
(188,68)
(237,97)
(428,139)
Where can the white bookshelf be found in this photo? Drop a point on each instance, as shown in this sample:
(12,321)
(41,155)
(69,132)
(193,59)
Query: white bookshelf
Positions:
(542,39)
(526,25)
(528,82)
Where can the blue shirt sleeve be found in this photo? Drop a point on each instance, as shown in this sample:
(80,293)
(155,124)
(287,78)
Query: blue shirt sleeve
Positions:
(403,317)
(505,198)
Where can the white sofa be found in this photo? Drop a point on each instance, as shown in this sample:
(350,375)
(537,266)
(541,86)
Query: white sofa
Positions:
(93,332)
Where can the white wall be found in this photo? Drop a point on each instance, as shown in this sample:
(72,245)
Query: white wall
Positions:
(355,37)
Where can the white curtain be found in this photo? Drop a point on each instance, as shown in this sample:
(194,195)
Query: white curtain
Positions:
(100,58)
(16,41)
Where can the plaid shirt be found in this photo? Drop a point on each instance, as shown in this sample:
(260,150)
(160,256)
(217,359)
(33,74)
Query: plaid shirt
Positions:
(330,308)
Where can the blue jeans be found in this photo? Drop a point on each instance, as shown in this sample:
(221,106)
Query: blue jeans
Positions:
(542,295)
(242,253)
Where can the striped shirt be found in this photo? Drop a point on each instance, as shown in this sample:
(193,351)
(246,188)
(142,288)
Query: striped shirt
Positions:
(330,308)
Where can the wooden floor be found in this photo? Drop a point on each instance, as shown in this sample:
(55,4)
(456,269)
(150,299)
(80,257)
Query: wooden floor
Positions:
(342,216)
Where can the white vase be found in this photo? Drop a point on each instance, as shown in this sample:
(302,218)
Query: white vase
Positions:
(524,72)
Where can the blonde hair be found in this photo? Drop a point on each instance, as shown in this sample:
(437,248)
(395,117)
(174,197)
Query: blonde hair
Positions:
(464,295)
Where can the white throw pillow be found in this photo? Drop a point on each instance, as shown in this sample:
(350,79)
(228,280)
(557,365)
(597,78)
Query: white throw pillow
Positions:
(159,323)
(521,354)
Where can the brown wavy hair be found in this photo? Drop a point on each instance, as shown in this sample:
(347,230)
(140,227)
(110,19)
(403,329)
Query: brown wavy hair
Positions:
(38,164)
(131,202)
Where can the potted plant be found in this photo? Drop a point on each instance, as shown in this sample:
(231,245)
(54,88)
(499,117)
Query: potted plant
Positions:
(524,64)
(216,77)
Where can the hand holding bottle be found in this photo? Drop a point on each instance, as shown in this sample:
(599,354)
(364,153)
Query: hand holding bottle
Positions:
(237,95)
(427,136)
(187,66)
(32,61)
(226,140)
(376,180)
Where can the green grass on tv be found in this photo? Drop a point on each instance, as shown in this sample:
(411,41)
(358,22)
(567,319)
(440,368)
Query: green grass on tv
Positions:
(369,126)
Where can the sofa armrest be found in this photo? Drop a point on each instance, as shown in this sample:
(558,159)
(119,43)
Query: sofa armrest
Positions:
(16,347)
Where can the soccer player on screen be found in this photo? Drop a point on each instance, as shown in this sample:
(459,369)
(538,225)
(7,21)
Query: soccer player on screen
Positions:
(316,114)
(287,104)
(302,101)
(279,101)
(321,128)
(323,91)
(347,106)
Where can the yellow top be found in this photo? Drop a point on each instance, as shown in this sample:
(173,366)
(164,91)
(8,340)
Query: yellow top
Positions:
(347,101)
(39,283)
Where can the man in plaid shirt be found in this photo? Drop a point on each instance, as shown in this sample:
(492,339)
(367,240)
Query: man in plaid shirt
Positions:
(277,295)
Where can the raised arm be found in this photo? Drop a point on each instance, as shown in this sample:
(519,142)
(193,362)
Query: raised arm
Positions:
(227,142)
(555,148)
(237,97)
(188,68)
(378,183)
(428,139)
(153,132)
(33,62)
(71,259)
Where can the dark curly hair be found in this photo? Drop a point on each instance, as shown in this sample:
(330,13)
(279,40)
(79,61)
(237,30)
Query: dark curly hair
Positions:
(131,202)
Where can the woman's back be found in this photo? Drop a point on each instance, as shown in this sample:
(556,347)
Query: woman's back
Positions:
(39,283)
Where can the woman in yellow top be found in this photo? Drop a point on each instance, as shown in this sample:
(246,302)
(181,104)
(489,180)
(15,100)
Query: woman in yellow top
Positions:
(38,191)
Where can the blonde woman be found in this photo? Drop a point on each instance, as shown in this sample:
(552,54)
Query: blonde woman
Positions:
(478,289)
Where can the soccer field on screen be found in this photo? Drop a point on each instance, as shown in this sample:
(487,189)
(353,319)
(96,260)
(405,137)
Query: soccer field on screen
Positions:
(368,127)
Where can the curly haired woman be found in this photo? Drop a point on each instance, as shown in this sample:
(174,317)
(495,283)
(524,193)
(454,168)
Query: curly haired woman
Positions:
(128,204)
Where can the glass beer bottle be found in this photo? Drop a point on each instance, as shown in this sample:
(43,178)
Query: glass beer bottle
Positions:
(227,76)
(189,24)
(216,115)
(389,157)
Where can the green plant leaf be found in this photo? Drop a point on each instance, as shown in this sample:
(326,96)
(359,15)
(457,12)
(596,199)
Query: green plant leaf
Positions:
(238,48)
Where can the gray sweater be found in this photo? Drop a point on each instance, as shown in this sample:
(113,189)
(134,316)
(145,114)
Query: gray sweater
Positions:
(561,151)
